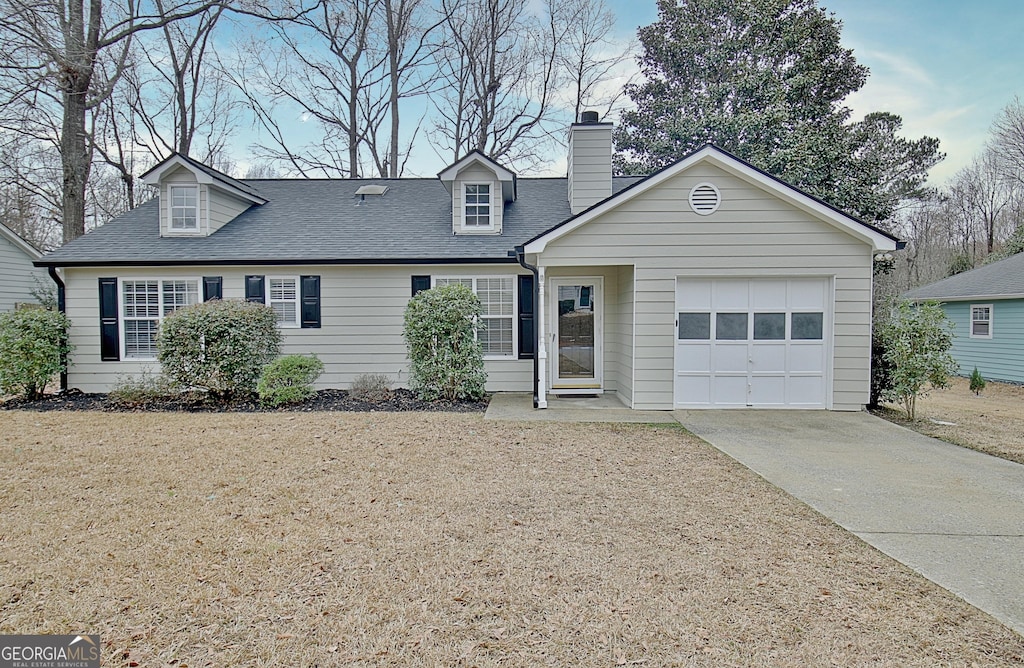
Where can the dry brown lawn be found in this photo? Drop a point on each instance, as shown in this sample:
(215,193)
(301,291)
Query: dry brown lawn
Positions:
(339,539)
(992,422)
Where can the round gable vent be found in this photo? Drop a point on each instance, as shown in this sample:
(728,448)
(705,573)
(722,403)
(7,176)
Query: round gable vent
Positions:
(705,198)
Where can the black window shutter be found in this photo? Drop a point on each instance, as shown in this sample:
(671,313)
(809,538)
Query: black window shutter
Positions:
(213,288)
(310,286)
(110,339)
(419,284)
(254,291)
(527,326)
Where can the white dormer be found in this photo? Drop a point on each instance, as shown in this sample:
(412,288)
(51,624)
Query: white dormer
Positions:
(479,188)
(197,200)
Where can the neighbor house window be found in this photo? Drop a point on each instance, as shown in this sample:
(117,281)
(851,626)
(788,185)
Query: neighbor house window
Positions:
(496,296)
(981,321)
(184,207)
(477,206)
(145,303)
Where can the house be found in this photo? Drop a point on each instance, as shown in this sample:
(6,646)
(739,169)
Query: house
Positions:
(706,284)
(18,277)
(986,306)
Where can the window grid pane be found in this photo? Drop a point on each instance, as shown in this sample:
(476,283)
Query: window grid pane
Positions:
(184,206)
(478,205)
(284,299)
(140,338)
(141,299)
(178,294)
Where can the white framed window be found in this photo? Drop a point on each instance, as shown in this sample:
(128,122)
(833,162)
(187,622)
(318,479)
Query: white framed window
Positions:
(981,321)
(144,303)
(477,206)
(283,297)
(184,208)
(497,323)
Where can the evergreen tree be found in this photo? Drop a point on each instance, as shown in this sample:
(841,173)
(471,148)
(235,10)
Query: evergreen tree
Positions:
(766,80)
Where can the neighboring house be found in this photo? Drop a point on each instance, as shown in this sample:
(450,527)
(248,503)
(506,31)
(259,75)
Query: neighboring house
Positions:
(18,277)
(987,307)
(707,284)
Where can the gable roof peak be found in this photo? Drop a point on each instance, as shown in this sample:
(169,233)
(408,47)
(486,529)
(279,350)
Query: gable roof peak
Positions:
(506,176)
(204,174)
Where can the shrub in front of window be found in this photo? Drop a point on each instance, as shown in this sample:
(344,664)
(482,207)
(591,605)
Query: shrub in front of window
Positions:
(447,361)
(33,349)
(917,340)
(289,379)
(218,346)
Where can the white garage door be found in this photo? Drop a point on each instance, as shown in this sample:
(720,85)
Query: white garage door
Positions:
(758,342)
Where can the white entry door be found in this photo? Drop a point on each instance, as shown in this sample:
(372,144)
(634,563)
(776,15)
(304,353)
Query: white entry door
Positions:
(752,342)
(577,330)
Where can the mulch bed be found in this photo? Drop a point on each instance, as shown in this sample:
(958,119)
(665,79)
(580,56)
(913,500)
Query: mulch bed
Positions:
(395,401)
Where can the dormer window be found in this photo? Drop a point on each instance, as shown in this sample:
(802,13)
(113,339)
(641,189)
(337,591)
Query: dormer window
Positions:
(184,208)
(478,206)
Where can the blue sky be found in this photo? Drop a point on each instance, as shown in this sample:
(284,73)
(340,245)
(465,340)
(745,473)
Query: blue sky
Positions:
(946,67)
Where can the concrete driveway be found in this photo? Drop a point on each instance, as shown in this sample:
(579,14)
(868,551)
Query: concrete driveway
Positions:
(954,515)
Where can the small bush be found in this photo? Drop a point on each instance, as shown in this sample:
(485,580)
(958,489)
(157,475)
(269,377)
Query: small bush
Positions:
(141,390)
(289,379)
(371,387)
(447,361)
(33,349)
(916,341)
(977,382)
(218,346)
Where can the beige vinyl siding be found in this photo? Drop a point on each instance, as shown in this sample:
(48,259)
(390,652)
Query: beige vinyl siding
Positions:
(361,309)
(223,208)
(17,276)
(476,173)
(590,160)
(753,234)
(624,332)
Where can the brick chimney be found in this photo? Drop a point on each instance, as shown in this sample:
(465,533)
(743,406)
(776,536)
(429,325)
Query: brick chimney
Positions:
(590,162)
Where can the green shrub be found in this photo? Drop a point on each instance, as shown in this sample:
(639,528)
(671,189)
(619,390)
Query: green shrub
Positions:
(917,339)
(143,389)
(218,346)
(33,349)
(289,379)
(977,382)
(372,387)
(446,359)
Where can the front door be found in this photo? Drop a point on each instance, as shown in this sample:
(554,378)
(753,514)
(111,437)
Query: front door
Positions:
(577,332)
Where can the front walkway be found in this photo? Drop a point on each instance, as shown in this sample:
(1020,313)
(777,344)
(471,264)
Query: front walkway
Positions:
(599,408)
(954,515)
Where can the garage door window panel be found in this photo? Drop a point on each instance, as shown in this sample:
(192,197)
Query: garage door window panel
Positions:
(807,326)
(769,326)
(731,327)
(694,326)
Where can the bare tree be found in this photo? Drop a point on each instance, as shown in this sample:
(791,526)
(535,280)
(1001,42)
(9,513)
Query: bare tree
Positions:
(1007,140)
(498,68)
(73,53)
(595,65)
(982,196)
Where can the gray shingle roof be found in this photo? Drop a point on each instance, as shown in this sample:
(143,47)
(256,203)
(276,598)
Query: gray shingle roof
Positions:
(1004,278)
(308,221)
